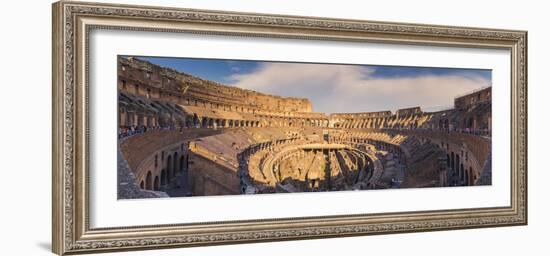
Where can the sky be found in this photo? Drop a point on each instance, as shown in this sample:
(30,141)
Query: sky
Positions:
(340,88)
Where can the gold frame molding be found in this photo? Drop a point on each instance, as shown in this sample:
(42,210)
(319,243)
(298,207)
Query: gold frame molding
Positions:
(72,22)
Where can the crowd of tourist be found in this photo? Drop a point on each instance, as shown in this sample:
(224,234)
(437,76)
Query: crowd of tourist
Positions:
(472,131)
(127,131)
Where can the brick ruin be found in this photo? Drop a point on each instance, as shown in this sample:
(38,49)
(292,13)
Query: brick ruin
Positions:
(180,135)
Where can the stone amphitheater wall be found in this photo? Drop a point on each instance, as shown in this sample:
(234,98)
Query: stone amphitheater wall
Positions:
(174,111)
(158,156)
(151,81)
(208,178)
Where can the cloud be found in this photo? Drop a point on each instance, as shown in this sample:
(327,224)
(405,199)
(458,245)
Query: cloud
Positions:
(347,88)
(235,69)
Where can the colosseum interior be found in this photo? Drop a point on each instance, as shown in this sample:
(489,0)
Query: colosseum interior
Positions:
(180,135)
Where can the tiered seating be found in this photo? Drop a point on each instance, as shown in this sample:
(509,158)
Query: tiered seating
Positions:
(419,155)
(227,145)
(478,145)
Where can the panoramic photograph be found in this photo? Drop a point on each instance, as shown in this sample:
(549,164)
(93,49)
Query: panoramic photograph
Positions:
(206,127)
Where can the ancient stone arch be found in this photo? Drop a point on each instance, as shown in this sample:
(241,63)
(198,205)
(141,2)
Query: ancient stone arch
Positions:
(453,160)
(176,169)
(163,177)
(156,183)
(471,176)
(457,168)
(169,168)
(463,174)
(182,163)
(149,181)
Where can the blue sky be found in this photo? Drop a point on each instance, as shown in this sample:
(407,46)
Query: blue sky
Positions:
(211,69)
(340,88)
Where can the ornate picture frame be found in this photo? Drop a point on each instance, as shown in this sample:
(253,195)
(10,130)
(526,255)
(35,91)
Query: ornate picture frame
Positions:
(72,24)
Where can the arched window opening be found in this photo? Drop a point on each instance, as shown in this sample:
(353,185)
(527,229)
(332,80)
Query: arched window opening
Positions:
(157,183)
(169,168)
(163,179)
(149,181)
(176,169)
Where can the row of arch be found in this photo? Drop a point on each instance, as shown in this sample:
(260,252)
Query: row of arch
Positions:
(140,116)
(206,122)
(128,118)
(134,118)
(173,165)
(202,100)
(382,123)
(137,118)
(195,121)
(161,84)
(295,122)
(465,176)
(149,120)
(467,122)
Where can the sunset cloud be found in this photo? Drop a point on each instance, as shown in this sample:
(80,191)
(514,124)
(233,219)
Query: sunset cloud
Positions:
(350,88)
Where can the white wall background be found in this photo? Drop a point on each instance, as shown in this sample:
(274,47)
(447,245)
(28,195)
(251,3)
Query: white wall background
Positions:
(25,102)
